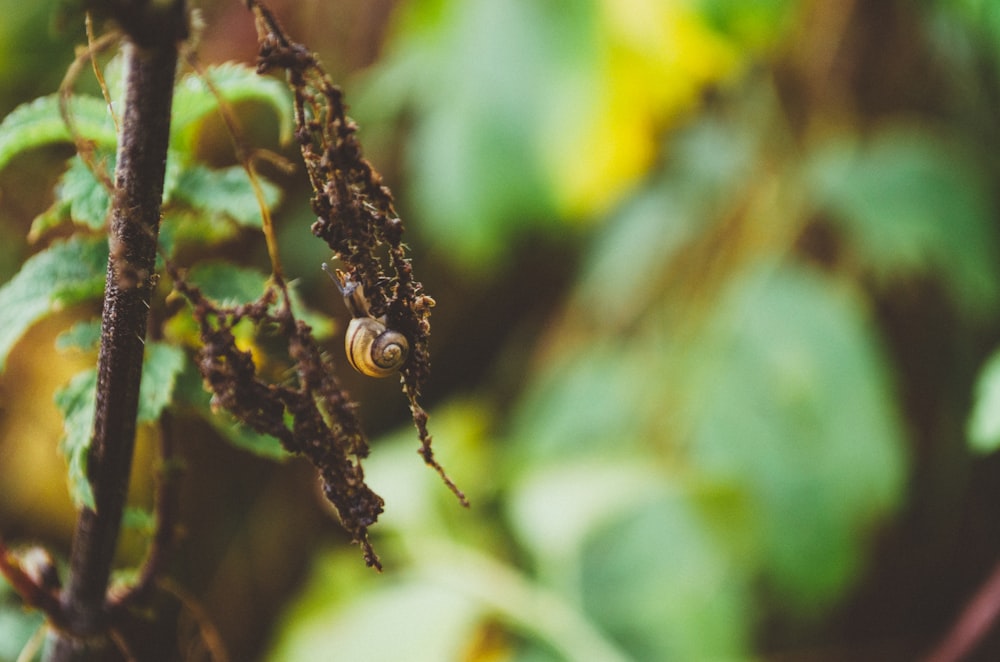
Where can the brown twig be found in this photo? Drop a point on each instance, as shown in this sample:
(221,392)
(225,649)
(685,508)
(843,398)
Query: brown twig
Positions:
(973,625)
(84,147)
(31,589)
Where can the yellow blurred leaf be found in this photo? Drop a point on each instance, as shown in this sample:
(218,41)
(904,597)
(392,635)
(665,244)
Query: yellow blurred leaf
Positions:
(655,59)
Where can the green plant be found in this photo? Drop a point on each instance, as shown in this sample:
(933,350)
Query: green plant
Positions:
(137,184)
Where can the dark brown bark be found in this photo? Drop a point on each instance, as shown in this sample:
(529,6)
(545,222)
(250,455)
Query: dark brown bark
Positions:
(134,227)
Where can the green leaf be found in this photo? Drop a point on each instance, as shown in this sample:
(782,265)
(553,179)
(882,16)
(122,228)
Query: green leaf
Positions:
(321,323)
(778,395)
(89,202)
(982,22)
(85,336)
(757,24)
(57,214)
(161,364)
(555,508)
(583,405)
(244,438)
(910,203)
(650,230)
(478,159)
(791,403)
(184,227)
(429,623)
(172,175)
(139,519)
(79,197)
(983,427)
(235,83)
(67,272)
(228,284)
(226,192)
(76,401)
(17,624)
(39,123)
(655,579)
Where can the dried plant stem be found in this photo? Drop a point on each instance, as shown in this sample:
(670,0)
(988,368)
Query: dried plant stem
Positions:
(135,219)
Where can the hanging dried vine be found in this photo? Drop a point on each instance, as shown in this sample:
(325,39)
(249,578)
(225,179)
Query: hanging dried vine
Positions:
(323,427)
(354,210)
(356,218)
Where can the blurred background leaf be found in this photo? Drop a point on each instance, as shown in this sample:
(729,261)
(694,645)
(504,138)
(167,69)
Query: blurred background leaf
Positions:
(984,422)
(891,197)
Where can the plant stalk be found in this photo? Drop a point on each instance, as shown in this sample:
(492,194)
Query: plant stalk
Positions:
(134,228)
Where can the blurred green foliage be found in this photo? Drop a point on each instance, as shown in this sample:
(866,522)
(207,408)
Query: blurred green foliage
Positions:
(892,195)
(709,431)
(16,625)
(719,422)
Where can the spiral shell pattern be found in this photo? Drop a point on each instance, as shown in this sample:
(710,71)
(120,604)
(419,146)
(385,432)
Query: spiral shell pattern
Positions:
(374,350)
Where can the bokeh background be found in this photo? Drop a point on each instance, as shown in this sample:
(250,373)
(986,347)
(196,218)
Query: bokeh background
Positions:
(718,285)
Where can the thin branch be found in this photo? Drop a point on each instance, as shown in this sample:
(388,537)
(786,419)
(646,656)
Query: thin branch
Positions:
(98,74)
(33,590)
(976,621)
(84,147)
(209,634)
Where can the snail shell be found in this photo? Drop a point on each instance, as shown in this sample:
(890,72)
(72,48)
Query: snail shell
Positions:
(374,350)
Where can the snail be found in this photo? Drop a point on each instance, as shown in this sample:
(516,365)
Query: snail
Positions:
(372,349)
